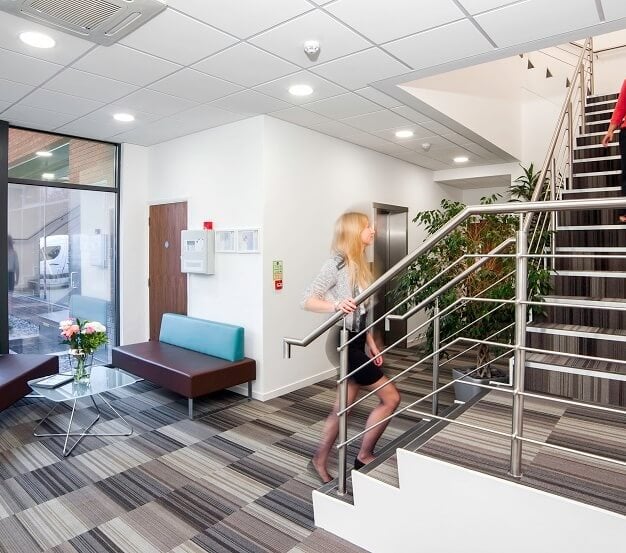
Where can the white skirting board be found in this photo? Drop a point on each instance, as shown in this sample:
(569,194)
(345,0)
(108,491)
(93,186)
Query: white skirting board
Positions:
(444,508)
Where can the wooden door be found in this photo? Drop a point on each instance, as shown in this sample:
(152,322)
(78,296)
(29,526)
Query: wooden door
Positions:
(168,286)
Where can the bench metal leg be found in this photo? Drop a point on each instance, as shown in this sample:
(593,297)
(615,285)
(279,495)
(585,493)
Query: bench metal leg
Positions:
(249,389)
(190,404)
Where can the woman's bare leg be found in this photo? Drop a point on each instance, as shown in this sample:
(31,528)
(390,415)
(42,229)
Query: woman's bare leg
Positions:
(389,400)
(329,434)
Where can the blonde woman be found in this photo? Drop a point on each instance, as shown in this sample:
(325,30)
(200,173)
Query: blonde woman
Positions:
(340,280)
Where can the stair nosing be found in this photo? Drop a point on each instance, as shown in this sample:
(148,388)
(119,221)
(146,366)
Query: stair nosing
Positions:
(598,174)
(590,146)
(577,333)
(575,370)
(601,158)
(592,274)
(588,190)
(588,134)
(591,227)
(583,249)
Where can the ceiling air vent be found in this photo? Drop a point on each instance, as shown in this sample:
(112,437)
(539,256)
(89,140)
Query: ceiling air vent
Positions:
(100,21)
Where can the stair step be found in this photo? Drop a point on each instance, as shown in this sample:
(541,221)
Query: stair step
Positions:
(598,173)
(595,286)
(592,227)
(600,106)
(591,250)
(589,190)
(596,274)
(580,367)
(599,98)
(586,301)
(595,333)
(600,158)
(585,311)
(589,146)
(589,217)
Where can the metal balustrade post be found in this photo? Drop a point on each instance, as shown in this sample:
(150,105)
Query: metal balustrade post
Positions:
(521,293)
(343,418)
(553,215)
(591,75)
(436,340)
(570,141)
(583,97)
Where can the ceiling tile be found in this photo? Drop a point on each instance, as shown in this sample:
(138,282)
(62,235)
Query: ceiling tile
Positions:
(378,97)
(436,142)
(195,86)
(57,101)
(27,70)
(150,101)
(376,121)
(205,117)
(614,9)
(102,123)
(66,50)
(368,140)
(322,2)
(418,132)
(344,105)
(169,128)
(478,6)
(11,92)
(450,42)
(249,102)
(4,105)
(360,69)
(384,21)
(41,117)
(178,38)
(86,85)
(436,127)
(411,114)
(335,128)
(245,65)
(287,40)
(535,19)
(125,64)
(321,88)
(301,116)
(242,18)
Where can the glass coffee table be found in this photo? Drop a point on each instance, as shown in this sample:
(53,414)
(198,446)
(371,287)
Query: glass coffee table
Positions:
(103,379)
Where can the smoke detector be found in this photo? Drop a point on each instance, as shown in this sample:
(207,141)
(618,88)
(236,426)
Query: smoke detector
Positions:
(100,21)
(312,49)
(426,146)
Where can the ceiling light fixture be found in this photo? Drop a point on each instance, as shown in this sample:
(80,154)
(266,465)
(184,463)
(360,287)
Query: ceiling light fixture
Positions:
(426,146)
(301,90)
(47,176)
(404,134)
(37,40)
(43,153)
(461,159)
(124,117)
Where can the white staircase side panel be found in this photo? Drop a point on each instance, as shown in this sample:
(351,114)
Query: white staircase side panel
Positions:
(444,508)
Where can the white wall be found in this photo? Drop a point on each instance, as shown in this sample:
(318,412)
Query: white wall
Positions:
(484,98)
(219,173)
(609,66)
(133,246)
(310,179)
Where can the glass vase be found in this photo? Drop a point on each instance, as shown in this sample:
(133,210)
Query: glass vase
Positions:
(81,364)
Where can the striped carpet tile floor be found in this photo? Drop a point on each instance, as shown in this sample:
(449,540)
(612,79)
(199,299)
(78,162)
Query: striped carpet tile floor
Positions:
(233,480)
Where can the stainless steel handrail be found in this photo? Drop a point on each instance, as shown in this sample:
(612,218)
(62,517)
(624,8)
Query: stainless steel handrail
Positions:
(429,243)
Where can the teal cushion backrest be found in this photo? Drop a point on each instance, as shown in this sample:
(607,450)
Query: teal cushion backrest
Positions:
(87,308)
(217,339)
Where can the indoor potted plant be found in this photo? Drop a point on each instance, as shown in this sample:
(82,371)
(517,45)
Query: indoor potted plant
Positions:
(477,235)
(83,337)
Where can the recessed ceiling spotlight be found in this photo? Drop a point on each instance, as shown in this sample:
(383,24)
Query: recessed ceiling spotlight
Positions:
(124,117)
(301,90)
(43,153)
(404,134)
(37,40)
(47,176)
(461,159)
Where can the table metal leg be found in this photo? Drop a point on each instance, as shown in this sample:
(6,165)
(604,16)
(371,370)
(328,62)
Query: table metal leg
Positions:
(84,431)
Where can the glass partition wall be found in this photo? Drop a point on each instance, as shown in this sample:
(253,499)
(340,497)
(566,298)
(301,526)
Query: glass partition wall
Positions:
(62,208)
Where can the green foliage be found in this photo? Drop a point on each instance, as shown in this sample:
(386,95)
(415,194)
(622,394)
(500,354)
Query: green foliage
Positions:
(477,235)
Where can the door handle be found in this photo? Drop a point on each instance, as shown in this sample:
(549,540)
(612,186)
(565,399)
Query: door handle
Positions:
(72,284)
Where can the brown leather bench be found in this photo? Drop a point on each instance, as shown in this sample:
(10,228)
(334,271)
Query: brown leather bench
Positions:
(17,369)
(179,361)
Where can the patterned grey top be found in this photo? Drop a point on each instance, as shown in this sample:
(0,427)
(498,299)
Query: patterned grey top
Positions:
(333,284)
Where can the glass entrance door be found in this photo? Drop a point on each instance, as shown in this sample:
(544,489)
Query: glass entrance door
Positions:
(61,264)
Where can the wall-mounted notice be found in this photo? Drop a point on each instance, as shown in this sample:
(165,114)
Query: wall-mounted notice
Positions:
(248,240)
(277,274)
(225,241)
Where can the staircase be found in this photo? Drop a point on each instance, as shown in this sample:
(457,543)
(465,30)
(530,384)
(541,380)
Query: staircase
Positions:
(596,284)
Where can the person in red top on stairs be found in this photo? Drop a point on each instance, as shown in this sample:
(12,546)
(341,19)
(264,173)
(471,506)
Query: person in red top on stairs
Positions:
(617,120)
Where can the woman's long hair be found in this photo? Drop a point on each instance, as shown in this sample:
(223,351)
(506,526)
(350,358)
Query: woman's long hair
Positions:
(347,242)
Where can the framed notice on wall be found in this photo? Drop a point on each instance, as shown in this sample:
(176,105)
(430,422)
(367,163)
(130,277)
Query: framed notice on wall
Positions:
(225,241)
(248,240)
